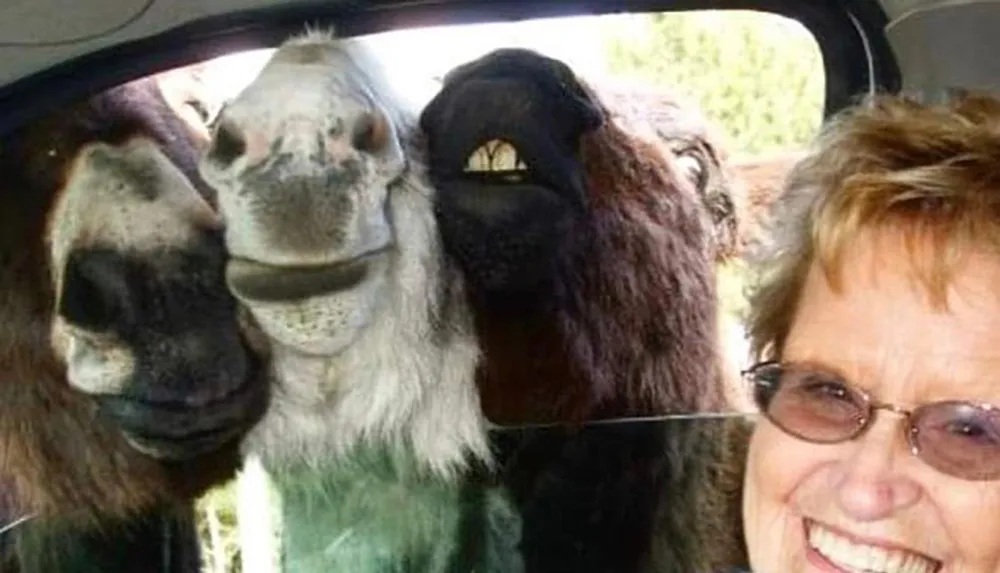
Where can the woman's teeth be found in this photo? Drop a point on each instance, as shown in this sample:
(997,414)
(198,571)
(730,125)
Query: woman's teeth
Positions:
(865,558)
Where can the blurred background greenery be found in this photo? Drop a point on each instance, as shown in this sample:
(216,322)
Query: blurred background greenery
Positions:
(758,76)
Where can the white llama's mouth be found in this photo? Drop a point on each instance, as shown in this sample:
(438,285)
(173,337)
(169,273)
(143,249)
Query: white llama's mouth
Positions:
(251,280)
(854,556)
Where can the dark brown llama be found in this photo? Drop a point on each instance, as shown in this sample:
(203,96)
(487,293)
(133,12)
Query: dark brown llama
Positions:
(589,264)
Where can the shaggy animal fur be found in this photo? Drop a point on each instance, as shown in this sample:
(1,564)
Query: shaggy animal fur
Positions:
(113,286)
(680,128)
(589,270)
(761,179)
(10,516)
(374,414)
(695,144)
(162,542)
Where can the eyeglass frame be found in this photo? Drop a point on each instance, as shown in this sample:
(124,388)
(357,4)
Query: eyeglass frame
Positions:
(868,415)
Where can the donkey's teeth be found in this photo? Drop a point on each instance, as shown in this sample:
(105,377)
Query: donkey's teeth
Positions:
(478,161)
(503,157)
(495,156)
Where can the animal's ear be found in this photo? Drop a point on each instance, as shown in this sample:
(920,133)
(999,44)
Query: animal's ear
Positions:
(430,115)
(96,293)
(432,111)
(461,71)
(588,113)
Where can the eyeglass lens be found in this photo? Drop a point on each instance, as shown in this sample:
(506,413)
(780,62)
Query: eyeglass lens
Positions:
(957,438)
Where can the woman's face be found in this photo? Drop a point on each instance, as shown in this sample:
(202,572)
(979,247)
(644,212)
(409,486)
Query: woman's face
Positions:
(869,505)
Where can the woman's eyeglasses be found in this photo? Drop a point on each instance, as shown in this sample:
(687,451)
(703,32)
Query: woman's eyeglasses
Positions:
(961,439)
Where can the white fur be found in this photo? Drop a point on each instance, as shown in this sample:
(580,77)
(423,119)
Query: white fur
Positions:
(387,362)
(287,107)
(393,382)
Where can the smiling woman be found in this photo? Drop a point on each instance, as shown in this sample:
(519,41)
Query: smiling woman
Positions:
(877,320)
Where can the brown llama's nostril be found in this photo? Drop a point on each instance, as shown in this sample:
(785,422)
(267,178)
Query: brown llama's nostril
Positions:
(228,143)
(371,133)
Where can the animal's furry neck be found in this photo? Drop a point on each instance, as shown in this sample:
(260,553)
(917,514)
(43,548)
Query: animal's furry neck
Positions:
(377,512)
(405,383)
(372,507)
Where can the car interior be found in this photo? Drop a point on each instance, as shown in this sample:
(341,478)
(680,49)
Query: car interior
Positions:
(610,478)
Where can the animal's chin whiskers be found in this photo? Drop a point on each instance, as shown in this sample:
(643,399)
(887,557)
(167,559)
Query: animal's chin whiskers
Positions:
(18,522)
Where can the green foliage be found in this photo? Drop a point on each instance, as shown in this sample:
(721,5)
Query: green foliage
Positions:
(218,530)
(758,75)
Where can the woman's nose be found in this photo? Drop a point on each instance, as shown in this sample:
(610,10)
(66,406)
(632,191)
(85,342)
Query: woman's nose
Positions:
(871,481)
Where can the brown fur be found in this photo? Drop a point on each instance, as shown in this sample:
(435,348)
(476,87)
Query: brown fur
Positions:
(761,178)
(655,284)
(698,524)
(8,559)
(642,288)
(10,513)
(651,247)
(626,327)
(683,130)
(63,458)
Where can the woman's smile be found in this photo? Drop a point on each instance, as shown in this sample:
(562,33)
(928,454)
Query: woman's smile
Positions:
(834,550)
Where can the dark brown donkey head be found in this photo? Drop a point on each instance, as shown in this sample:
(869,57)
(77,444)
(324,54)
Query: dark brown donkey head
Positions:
(586,250)
(125,379)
